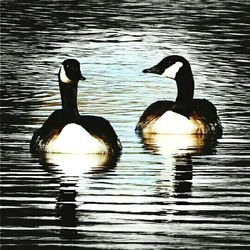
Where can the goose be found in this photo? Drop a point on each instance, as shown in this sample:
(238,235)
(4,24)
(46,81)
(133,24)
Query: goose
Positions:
(185,115)
(66,131)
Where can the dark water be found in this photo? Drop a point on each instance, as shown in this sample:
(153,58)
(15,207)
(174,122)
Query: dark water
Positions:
(165,192)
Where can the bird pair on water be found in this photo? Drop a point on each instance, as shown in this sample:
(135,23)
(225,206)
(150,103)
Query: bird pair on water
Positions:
(66,131)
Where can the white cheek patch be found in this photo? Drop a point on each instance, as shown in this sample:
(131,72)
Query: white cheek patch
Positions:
(171,71)
(63,76)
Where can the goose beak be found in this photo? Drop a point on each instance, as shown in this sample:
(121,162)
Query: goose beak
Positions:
(153,70)
(82,77)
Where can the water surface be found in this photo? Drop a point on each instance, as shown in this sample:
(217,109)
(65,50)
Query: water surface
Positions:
(163,192)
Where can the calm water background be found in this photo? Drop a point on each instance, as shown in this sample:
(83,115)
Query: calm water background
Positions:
(168,192)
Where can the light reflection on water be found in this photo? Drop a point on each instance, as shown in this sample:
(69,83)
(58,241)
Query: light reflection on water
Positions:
(164,191)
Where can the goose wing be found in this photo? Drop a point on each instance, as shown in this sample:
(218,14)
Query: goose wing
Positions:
(51,127)
(204,110)
(153,112)
(101,128)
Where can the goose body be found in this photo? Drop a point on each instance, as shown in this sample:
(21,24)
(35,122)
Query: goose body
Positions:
(185,115)
(66,131)
(78,139)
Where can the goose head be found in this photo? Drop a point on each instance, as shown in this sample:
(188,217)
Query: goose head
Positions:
(170,67)
(70,72)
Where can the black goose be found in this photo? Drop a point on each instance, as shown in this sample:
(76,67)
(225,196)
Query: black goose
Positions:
(184,116)
(65,131)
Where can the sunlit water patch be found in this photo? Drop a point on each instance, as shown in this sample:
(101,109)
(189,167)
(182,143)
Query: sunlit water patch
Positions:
(163,191)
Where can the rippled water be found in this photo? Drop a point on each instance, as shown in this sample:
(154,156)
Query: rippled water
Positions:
(163,192)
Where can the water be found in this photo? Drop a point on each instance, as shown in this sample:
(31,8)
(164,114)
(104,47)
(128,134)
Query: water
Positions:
(163,192)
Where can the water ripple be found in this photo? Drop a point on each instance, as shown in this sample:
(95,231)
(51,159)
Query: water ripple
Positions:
(162,193)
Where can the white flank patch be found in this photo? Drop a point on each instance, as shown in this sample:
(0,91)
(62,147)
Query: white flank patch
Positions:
(74,139)
(173,123)
(63,76)
(171,71)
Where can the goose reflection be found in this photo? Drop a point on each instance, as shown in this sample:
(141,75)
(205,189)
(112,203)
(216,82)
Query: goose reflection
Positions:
(76,165)
(177,151)
(72,169)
